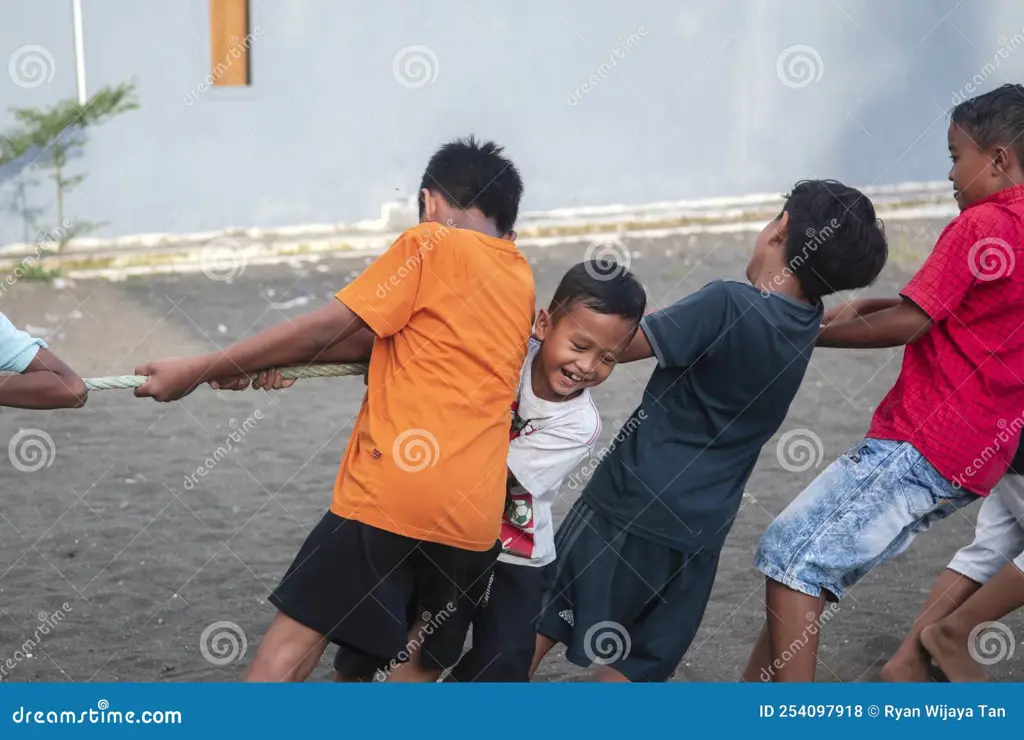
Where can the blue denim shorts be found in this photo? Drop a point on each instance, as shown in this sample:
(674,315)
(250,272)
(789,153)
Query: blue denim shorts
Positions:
(862,510)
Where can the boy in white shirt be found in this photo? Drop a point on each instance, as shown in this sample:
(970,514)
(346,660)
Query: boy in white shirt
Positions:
(576,342)
(593,317)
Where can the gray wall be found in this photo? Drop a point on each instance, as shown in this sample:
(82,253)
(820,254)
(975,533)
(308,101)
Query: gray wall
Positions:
(693,107)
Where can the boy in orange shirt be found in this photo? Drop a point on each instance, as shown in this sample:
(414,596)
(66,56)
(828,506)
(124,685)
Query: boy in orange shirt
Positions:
(419,497)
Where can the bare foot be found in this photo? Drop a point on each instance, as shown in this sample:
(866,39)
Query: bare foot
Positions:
(901,670)
(949,650)
(936,673)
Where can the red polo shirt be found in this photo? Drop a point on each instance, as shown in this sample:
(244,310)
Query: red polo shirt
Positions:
(959,398)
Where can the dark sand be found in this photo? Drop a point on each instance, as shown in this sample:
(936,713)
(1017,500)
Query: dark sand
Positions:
(146,565)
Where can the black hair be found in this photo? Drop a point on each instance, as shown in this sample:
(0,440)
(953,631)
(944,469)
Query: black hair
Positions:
(835,240)
(994,119)
(470,174)
(601,286)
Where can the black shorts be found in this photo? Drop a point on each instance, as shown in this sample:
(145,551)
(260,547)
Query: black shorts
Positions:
(504,625)
(622,601)
(354,584)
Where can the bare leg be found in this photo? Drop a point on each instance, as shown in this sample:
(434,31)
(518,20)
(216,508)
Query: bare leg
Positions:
(339,678)
(384,672)
(607,674)
(759,665)
(542,647)
(794,629)
(948,641)
(412,670)
(289,652)
(911,661)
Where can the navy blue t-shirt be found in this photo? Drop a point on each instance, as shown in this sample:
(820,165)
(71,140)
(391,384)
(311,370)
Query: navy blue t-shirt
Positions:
(730,361)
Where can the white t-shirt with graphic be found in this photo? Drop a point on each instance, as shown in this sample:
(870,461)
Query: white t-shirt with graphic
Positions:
(547,441)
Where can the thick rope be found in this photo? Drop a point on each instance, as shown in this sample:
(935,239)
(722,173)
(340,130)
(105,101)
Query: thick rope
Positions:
(119,382)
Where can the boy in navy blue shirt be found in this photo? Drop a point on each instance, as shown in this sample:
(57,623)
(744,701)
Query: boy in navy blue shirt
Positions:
(638,552)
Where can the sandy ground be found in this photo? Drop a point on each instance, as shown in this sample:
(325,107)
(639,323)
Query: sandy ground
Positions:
(145,565)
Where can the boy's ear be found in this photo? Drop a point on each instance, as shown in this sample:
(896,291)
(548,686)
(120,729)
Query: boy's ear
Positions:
(1003,161)
(780,231)
(512,235)
(429,204)
(542,325)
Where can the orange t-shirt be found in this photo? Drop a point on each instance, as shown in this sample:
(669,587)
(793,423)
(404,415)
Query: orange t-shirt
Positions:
(452,310)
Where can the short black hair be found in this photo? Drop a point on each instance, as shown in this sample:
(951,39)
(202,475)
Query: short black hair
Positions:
(994,119)
(601,286)
(470,174)
(835,240)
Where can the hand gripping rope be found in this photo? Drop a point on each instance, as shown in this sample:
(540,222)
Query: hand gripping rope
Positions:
(119,382)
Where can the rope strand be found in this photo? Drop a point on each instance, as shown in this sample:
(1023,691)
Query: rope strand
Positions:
(121,382)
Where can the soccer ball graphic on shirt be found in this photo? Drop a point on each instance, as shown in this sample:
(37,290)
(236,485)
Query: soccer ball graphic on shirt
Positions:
(519,512)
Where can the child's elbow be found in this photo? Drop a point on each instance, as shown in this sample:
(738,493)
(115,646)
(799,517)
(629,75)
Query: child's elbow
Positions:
(76,392)
(917,330)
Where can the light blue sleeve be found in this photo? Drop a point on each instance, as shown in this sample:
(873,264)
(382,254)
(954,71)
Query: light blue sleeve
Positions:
(17,349)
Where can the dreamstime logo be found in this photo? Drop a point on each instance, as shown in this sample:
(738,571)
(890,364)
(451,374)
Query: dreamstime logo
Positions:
(606,642)
(619,48)
(222,259)
(1006,47)
(799,66)
(31,450)
(811,630)
(415,66)
(1008,434)
(991,642)
(427,624)
(607,259)
(991,259)
(222,643)
(799,450)
(815,238)
(47,623)
(430,235)
(234,53)
(622,431)
(415,449)
(239,430)
(31,66)
(45,240)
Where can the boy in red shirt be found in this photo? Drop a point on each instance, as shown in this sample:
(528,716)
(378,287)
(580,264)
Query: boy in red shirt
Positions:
(933,445)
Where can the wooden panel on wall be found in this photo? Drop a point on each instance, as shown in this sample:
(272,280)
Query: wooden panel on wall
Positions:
(229,42)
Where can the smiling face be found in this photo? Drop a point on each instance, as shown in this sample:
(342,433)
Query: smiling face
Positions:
(580,348)
(976,173)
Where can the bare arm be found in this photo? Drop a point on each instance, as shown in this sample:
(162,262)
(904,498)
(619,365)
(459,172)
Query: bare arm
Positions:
(860,307)
(302,339)
(639,349)
(898,325)
(355,348)
(47,383)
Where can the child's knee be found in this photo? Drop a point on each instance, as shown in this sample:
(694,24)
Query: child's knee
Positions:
(282,662)
(289,652)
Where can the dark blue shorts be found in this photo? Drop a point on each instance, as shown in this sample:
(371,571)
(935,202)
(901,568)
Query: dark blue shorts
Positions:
(504,633)
(365,588)
(623,601)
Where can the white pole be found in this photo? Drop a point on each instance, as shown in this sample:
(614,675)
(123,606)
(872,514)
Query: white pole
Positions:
(76,11)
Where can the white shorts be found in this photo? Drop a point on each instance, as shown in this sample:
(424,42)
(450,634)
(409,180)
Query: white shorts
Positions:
(998,535)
